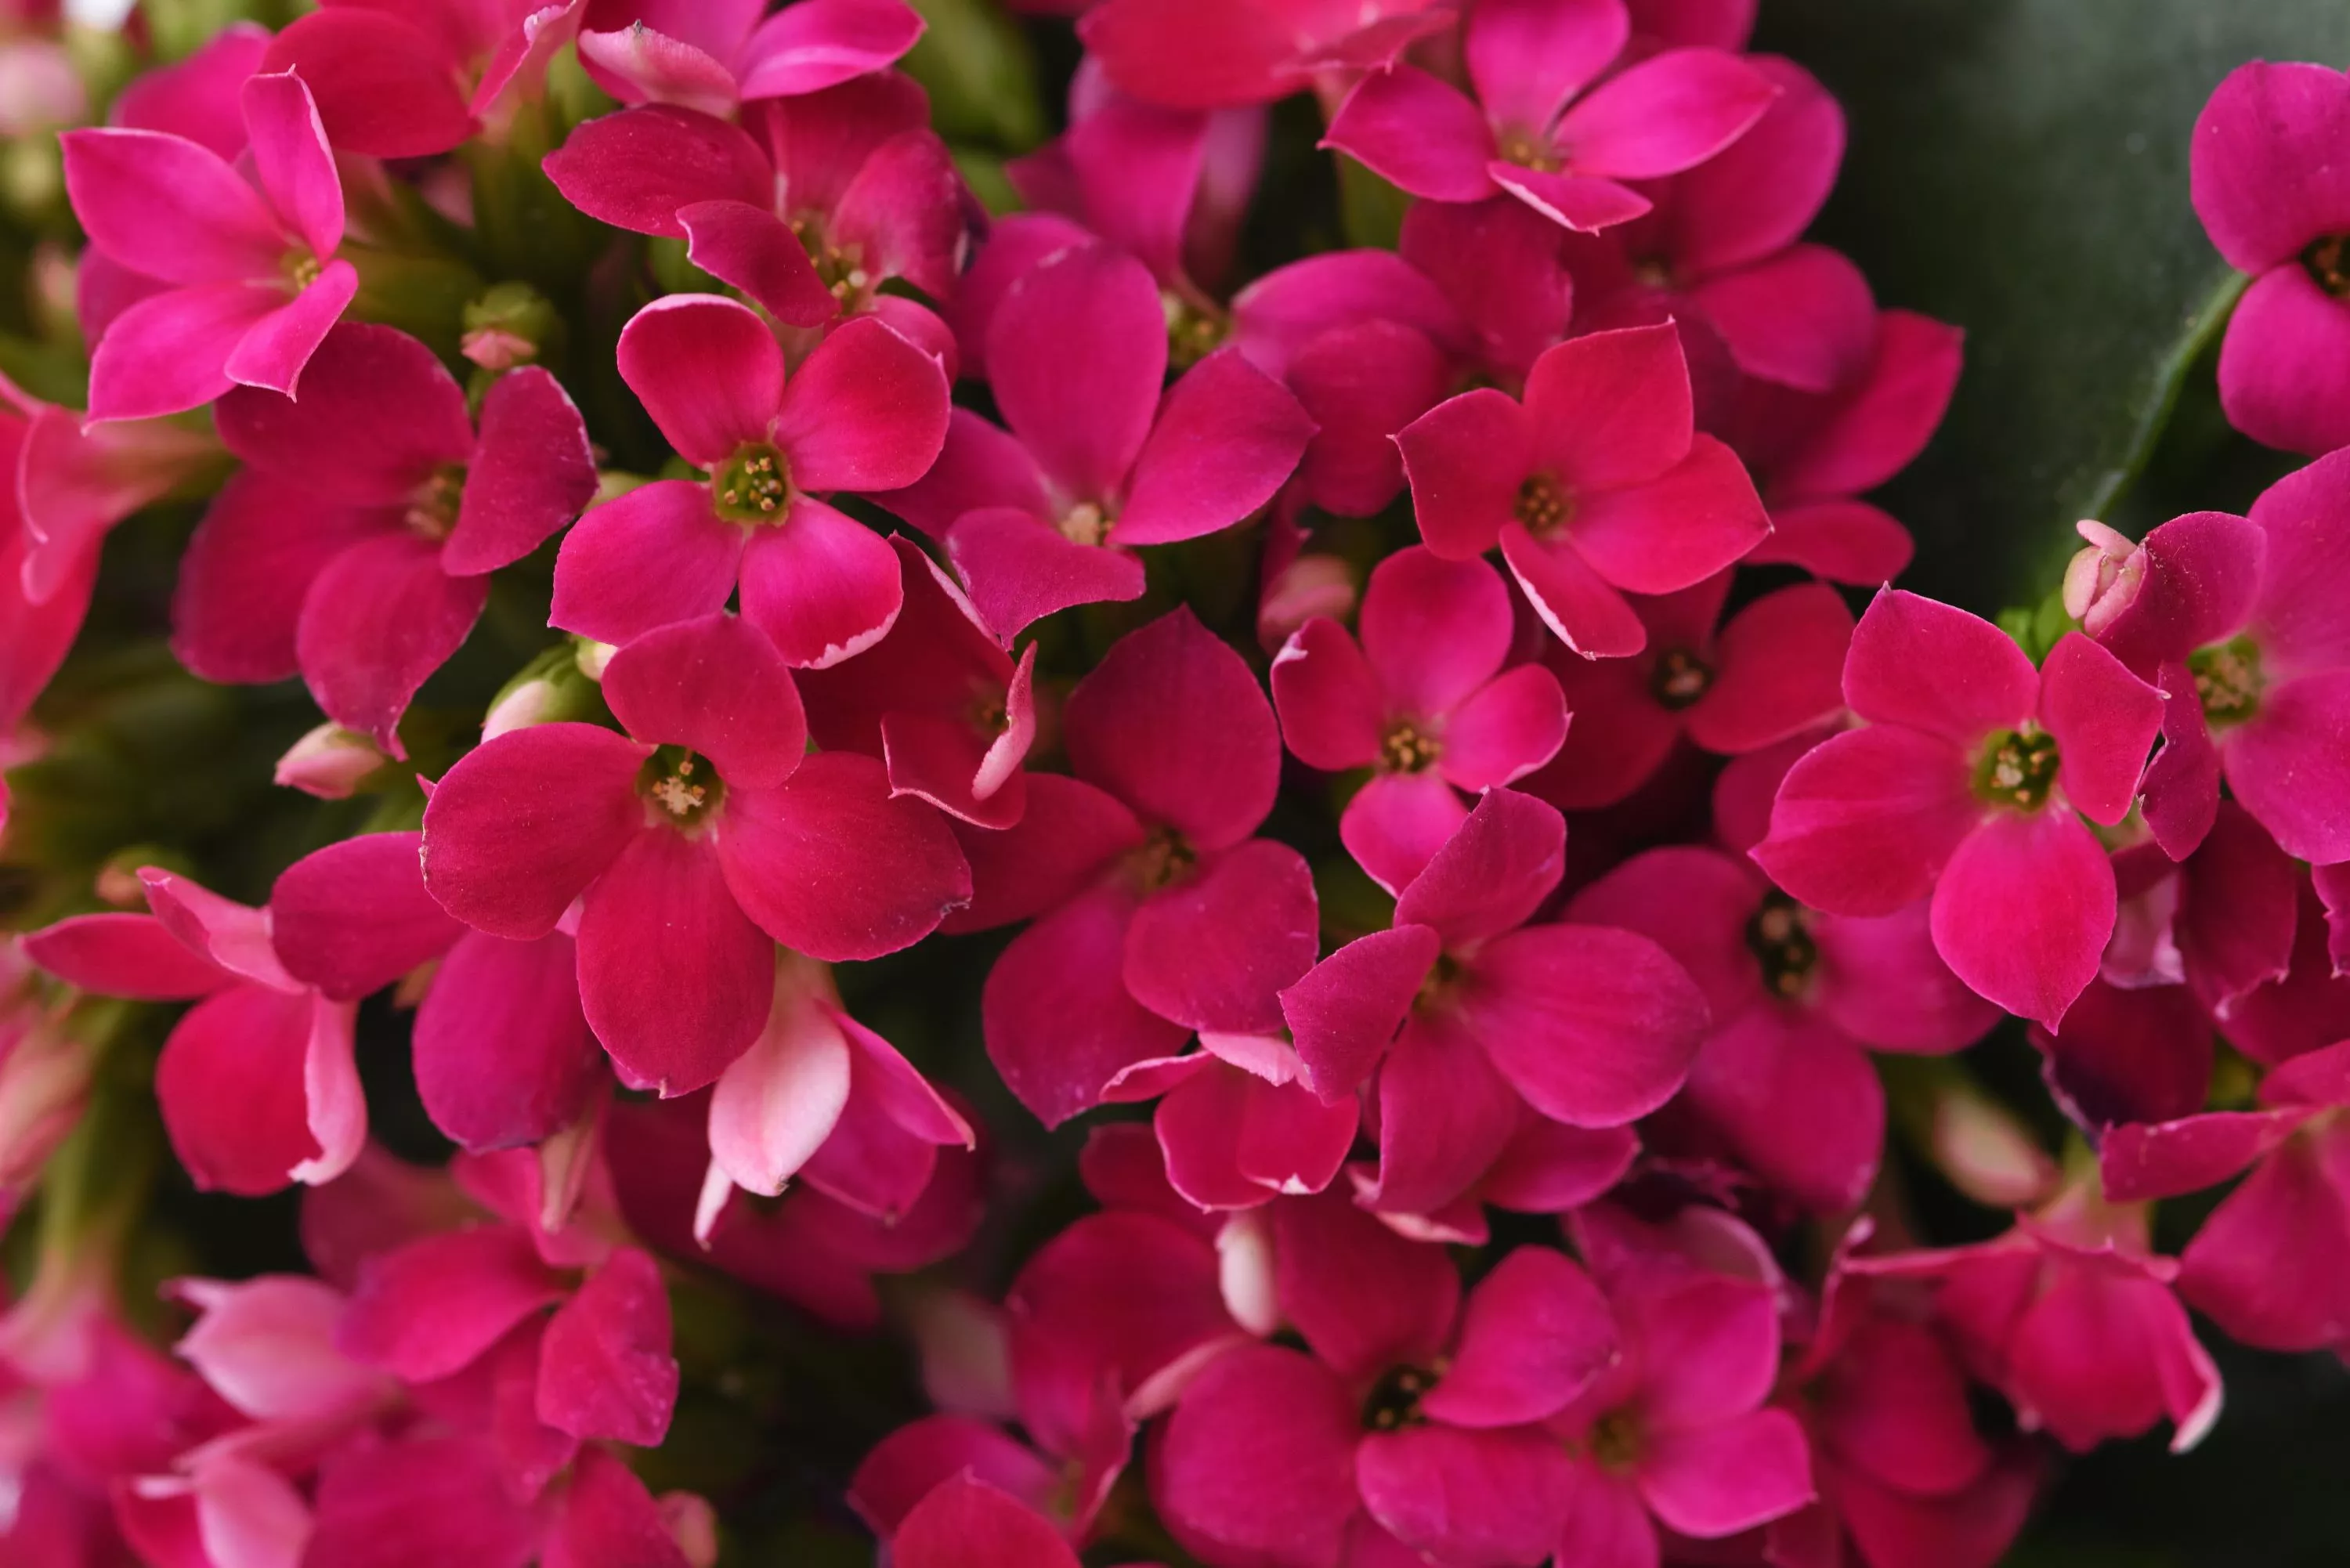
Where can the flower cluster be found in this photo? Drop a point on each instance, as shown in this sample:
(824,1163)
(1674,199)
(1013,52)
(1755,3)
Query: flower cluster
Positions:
(1463,816)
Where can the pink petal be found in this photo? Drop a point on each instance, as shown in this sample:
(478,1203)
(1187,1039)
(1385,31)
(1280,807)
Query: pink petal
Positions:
(981,466)
(379,416)
(1549,1167)
(503,1055)
(653,557)
(1514,725)
(1667,113)
(377,622)
(1712,1482)
(1804,319)
(1536,1334)
(1528,57)
(1881,981)
(354,917)
(2165,1160)
(1608,1523)
(231,1085)
(290,155)
(1231,1140)
(1020,569)
(1663,537)
(1797,1101)
(533,471)
(1466,459)
(1493,875)
(1395,823)
(1887,420)
(967,1523)
(715,686)
(1575,202)
(1779,667)
(1436,631)
(233,935)
(2229,1271)
(2261,197)
(1212,952)
(1275,318)
(169,208)
(1257,1463)
(2287,765)
(907,1465)
(1417,132)
(906,209)
(520,827)
(1227,437)
(818,44)
(421,1500)
(1361,384)
(1595,1027)
(749,247)
(1618,735)
(1865,822)
(820,586)
(169,352)
(642,64)
(707,370)
(1345,1011)
(249,567)
(385,86)
(1695,903)
(778,1102)
(1076,354)
(1331,704)
(1444,1117)
(868,410)
(610,1520)
(1364,1298)
(426,1309)
(2104,720)
(605,1368)
(1842,541)
(1758,195)
(636,168)
(1707,1343)
(1578,604)
(275,347)
(197,98)
(1062,843)
(266,1345)
(831,865)
(1611,409)
(2022,911)
(134,956)
(1058,1019)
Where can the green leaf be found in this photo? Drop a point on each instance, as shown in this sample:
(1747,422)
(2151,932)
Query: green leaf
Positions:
(2019,167)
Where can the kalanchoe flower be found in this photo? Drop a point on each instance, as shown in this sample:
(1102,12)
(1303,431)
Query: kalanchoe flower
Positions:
(357,547)
(699,840)
(2243,622)
(1501,267)
(2275,201)
(807,207)
(255,280)
(1770,672)
(1216,54)
(1463,1008)
(257,1082)
(1594,486)
(1969,783)
(1423,701)
(2291,1206)
(2071,1316)
(407,81)
(868,410)
(1538,129)
(712,55)
(937,700)
(1095,461)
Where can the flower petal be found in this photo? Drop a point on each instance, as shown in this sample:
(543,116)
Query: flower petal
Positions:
(522,824)
(2023,910)
(503,1055)
(707,370)
(378,622)
(653,557)
(715,686)
(533,471)
(1595,1027)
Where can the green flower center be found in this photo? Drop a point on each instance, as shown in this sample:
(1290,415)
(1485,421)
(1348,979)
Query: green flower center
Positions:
(2228,680)
(752,486)
(1678,678)
(1543,505)
(1193,332)
(1406,749)
(1529,149)
(1615,1442)
(683,787)
(2018,768)
(1779,938)
(1393,1402)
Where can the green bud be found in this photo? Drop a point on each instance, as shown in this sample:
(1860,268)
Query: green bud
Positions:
(424,295)
(512,324)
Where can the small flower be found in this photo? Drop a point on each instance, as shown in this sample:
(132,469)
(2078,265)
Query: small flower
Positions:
(716,54)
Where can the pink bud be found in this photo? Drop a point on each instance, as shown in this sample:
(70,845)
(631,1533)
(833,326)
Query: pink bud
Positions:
(328,762)
(528,703)
(2103,579)
(1987,1154)
(1308,587)
(44,1082)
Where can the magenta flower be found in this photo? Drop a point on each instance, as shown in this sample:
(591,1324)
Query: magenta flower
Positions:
(1798,998)
(919,1458)
(256,1081)
(2247,618)
(1095,461)
(1537,128)
(808,207)
(2073,1319)
(1969,783)
(713,55)
(412,80)
(1423,702)
(698,840)
(357,545)
(938,699)
(868,410)
(1218,54)
(2276,202)
(1501,267)
(1409,1424)
(1596,485)
(2291,1205)
(254,281)
(1770,672)
(1464,1010)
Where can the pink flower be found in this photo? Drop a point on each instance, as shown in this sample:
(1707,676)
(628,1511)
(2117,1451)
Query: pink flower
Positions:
(256,1081)
(357,547)
(2291,1206)
(2276,202)
(1464,1010)
(1423,702)
(1969,783)
(938,699)
(411,81)
(867,411)
(697,841)
(1216,54)
(1154,911)
(2244,622)
(1537,128)
(808,207)
(253,279)
(1409,1423)
(712,55)
(1097,461)
(2073,1319)
(1594,486)
(1770,672)
(1502,266)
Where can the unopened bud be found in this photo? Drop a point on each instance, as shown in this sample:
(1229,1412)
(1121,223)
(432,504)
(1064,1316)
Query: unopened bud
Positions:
(330,762)
(510,324)
(1310,585)
(1244,1271)
(593,656)
(1986,1153)
(693,1524)
(44,1083)
(2103,579)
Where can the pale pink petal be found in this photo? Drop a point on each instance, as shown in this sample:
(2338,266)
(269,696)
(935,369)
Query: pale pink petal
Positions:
(779,1100)
(642,65)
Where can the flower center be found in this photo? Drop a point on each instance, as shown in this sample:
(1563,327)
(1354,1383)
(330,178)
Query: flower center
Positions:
(2228,680)
(1653,272)
(2018,768)
(1543,505)
(1393,1402)
(2328,261)
(1679,678)
(1779,938)
(433,509)
(1408,750)
(1529,149)
(683,787)
(1162,859)
(1086,523)
(1615,1442)
(1443,978)
(301,267)
(842,268)
(753,485)
(1193,332)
